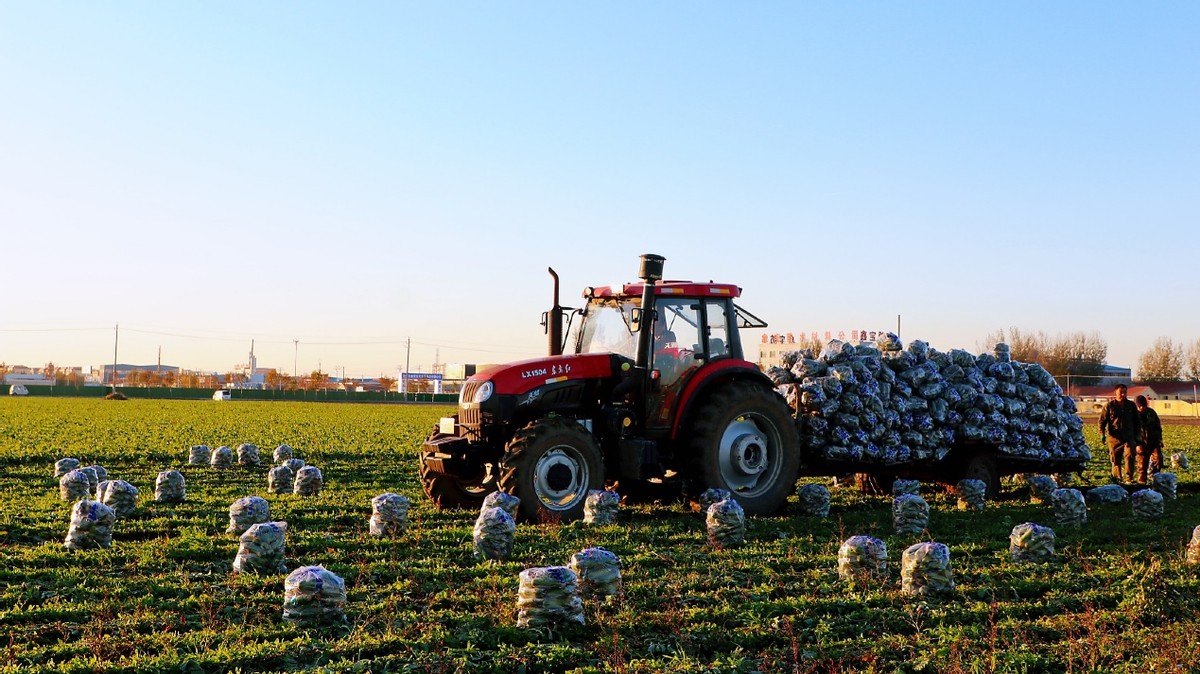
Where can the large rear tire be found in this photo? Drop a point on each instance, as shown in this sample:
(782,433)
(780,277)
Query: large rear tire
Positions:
(448,492)
(979,464)
(745,441)
(551,465)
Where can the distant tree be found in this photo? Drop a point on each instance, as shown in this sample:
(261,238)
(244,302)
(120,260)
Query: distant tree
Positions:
(68,377)
(387,383)
(275,380)
(1163,362)
(316,380)
(1192,361)
(49,370)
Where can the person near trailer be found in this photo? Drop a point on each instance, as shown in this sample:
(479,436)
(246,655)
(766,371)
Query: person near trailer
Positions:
(1150,440)
(1119,426)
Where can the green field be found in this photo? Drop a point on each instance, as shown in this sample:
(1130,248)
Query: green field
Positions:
(164,599)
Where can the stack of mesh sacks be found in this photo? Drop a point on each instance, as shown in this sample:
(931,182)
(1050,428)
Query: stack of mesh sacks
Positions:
(1147,504)
(548,596)
(726,521)
(598,570)
(245,512)
(169,487)
(972,494)
(601,507)
(880,403)
(862,560)
(261,549)
(496,527)
(910,514)
(118,495)
(814,500)
(1070,509)
(314,596)
(925,569)
(308,481)
(91,525)
(389,514)
(1031,542)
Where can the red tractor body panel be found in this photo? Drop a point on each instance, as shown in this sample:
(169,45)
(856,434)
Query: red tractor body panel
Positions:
(667,289)
(526,375)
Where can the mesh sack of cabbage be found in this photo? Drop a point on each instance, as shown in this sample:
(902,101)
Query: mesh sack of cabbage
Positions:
(93,477)
(862,560)
(245,512)
(925,569)
(601,507)
(599,572)
(91,525)
(710,496)
(502,500)
(389,514)
(493,534)
(261,549)
(222,457)
(1166,484)
(1147,504)
(726,522)
(308,481)
(169,487)
(282,453)
(314,596)
(64,466)
(74,485)
(279,480)
(1040,488)
(1179,461)
(247,454)
(199,455)
(972,494)
(548,596)
(1070,508)
(1193,547)
(118,495)
(906,487)
(1031,542)
(814,500)
(910,514)
(293,464)
(1109,494)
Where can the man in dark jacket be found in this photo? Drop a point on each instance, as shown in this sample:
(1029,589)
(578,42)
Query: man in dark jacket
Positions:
(1119,422)
(1150,440)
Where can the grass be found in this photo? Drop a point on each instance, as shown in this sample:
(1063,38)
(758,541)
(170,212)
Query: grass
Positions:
(1119,596)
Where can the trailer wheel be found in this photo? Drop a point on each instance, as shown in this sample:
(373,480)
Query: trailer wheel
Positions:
(746,442)
(551,465)
(981,465)
(448,492)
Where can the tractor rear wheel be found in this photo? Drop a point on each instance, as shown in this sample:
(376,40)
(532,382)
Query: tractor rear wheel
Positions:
(979,464)
(452,492)
(745,441)
(551,465)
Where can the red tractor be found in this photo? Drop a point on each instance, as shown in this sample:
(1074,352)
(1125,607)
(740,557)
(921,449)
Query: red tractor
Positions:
(656,393)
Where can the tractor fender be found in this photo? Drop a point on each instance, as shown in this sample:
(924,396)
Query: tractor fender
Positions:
(713,374)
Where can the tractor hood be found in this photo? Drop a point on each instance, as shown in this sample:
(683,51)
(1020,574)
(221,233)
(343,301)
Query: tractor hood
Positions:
(526,375)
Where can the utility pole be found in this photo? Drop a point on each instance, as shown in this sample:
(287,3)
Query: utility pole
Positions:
(407,354)
(295,359)
(116,335)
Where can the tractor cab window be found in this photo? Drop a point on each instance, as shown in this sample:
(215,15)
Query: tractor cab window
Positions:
(718,330)
(605,328)
(676,334)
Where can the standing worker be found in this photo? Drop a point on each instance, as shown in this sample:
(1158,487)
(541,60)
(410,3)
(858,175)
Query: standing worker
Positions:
(1119,421)
(1150,440)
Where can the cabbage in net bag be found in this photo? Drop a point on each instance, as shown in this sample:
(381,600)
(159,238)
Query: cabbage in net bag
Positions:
(1193,547)
(64,466)
(548,596)
(245,512)
(294,464)
(910,514)
(906,487)
(1147,504)
(1109,494)
(1166,484)
(91,525)
(118,495)
(1179,461)
(1031,542)
(862,560)
(814,500)
(222,457)
(74,485)
(282,453)
(711,496)
(1040,487)
(247,454)
(726,523)
(389,514)
(601,507)
(971,494)
(199,455)
(279,480)
(93,478)
(261,549)
(493,534)
(169,487)
(598,570)
(314,596)
(1070,509)
(308,481)
(504,501)
(925,570)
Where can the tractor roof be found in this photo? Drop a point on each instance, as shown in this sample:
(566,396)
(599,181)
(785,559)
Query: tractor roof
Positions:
(667,289)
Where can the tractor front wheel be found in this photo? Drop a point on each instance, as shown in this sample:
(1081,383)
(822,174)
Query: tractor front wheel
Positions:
(453,492)
(746,442)
(551,465)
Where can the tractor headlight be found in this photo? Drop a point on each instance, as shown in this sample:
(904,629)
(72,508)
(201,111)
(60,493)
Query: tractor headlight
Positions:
(483,392)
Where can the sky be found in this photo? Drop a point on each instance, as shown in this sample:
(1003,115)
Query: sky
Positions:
(364,187)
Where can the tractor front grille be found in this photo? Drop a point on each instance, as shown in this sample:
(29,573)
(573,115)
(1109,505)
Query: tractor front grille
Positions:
(472,417)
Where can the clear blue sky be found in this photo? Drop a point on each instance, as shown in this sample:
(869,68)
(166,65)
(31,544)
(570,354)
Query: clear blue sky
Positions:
(354,175)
